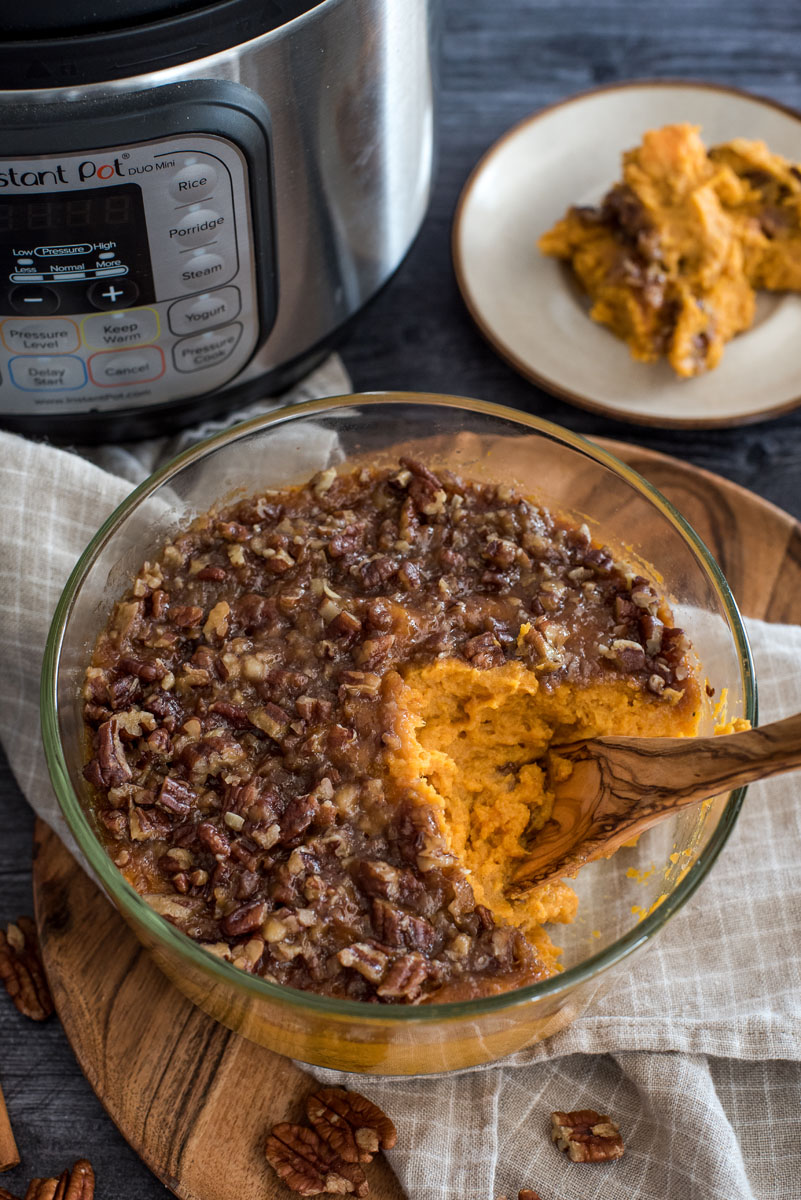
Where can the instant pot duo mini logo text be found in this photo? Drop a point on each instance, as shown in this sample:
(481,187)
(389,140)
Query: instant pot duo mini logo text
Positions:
(81,172)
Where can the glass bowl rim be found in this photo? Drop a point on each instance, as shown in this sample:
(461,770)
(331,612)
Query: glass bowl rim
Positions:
(125,896)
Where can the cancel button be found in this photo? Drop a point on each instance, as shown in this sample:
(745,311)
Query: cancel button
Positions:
(125,367)
(206,349)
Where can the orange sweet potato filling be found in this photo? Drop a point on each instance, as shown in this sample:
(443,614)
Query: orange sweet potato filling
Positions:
(476,746)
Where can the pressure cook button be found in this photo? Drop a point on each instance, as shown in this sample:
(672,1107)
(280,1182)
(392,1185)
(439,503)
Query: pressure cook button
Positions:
(112,293)
(50,373)
(121,329)
(54,335)
(206,349)
(206,311)
(34,300)
(196,228)
(195,182)
(124,367)
(204,270)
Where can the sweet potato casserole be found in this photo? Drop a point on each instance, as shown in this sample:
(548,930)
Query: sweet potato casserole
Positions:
(320,725)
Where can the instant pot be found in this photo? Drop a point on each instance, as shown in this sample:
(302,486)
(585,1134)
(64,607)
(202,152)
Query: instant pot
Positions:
(195,197)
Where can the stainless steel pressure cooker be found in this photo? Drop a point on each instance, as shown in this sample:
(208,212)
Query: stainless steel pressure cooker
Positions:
(196,196)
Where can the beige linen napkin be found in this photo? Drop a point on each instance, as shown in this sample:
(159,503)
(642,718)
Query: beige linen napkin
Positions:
(695,1049)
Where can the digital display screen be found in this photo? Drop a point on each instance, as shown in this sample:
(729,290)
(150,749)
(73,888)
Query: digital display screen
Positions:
(97,213)
(67,241)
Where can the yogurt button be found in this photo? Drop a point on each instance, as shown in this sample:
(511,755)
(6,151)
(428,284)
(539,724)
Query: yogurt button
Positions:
(206,311)
(204,270)
(196,182)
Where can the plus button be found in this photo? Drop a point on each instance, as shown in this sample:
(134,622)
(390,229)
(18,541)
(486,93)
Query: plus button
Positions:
(106,295)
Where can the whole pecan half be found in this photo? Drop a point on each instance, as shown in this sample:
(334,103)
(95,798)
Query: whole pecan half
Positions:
(77,1184)
(22,972)
(527,1194)
(586,1135)
(308,1166)
(352,1125)
(6,1195)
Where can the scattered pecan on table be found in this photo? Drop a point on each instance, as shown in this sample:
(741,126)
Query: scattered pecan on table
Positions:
(348,1130)
(587,1136)
(309,1166)
(22,972)
(77,1184)
(353,1126)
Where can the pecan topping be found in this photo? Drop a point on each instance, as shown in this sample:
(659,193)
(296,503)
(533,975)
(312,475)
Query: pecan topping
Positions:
(308,1166)
(246,706)
(352,1125)
(22,972)
(586,1135)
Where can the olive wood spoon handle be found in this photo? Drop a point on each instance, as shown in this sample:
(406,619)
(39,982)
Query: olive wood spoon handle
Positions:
(620,786)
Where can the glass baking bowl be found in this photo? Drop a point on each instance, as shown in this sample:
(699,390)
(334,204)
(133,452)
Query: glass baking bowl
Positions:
(620,910)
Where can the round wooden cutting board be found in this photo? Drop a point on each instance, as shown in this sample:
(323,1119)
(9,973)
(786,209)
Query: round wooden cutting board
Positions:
(196,1101)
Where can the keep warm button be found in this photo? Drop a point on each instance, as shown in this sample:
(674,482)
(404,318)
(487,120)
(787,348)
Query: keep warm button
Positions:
(131,328)
(118,368)
(206,350)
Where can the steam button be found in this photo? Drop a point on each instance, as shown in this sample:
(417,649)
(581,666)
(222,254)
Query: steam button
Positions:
(195,182)
(204,271)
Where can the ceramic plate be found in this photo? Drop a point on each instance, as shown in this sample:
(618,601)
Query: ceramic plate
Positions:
(533,313)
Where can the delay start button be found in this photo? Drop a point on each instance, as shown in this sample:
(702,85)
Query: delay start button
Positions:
(206,311)
(206,349)
(47,373)
(118,368)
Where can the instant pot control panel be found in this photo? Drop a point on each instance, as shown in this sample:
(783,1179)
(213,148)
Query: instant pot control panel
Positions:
(126,275)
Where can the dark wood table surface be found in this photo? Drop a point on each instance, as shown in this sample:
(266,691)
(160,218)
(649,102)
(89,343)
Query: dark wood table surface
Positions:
(502,59)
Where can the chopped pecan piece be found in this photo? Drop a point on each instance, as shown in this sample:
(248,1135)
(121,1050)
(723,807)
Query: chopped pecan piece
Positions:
(308,1166)
(352,1125)
(109,767)
(404,979)
(176,796)
(483,651)
(586,1135)
(368,961)
(22,972)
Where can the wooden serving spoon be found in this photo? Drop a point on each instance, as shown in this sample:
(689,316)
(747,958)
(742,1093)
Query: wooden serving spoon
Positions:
(620,786)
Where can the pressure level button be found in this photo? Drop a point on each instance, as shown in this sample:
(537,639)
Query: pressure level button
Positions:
(195,182)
